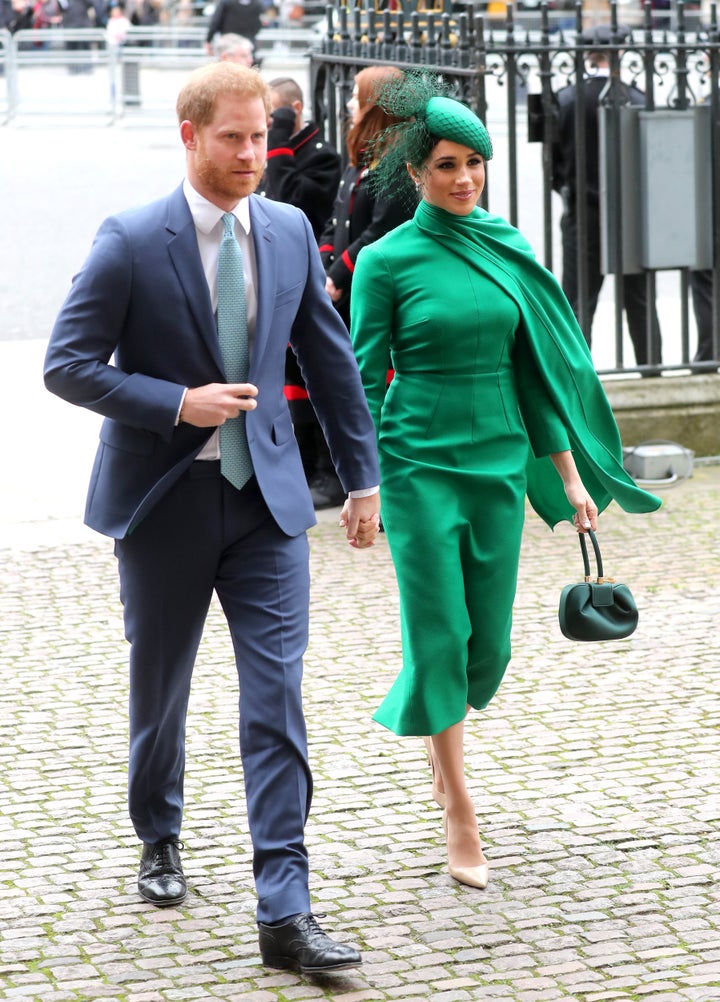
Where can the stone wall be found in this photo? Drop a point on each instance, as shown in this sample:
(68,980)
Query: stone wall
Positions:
(683,409)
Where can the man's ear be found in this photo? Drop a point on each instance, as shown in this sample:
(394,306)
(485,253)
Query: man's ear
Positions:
(188,135)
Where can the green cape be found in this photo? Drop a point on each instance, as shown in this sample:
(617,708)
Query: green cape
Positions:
(494,247)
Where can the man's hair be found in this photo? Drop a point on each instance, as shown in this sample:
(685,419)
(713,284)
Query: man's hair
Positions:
(197,99)
(230,42)
(288,89)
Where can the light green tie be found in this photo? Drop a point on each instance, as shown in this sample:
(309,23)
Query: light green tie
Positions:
(235,462)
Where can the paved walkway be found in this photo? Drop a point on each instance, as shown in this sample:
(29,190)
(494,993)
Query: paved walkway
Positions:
(594,772)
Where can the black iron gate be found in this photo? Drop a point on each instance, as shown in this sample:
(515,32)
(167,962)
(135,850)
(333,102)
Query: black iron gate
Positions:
(510,70)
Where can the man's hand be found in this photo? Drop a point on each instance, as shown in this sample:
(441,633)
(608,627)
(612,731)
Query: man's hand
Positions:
(361,517)
(213,404)
(332,290)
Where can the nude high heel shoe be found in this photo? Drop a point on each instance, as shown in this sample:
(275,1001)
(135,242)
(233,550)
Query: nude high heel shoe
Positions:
(437,794)
(472,876)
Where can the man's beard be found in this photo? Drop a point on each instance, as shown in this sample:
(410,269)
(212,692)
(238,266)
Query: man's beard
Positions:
(223,182)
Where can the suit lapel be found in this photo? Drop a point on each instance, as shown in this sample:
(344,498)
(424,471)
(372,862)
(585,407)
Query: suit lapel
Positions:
(266,272)
(185,256)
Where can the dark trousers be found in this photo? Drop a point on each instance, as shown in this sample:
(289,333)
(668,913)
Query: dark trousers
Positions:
(701,288)
(205,536)
(634,293)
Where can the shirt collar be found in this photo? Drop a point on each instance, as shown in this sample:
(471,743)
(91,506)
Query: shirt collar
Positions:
(206,215)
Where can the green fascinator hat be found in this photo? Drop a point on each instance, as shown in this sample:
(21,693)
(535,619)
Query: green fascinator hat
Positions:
(447,118)
(428,114)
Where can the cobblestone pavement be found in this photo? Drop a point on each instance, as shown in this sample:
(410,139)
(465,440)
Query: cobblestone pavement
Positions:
(594,775)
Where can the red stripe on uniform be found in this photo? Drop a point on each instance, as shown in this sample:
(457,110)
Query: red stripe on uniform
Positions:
(307,139)
(281,151)
(348,263)
(295,393)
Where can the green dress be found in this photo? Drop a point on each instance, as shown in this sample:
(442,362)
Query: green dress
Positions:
(491,375)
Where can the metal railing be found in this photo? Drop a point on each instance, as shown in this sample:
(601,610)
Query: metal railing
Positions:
(106,83)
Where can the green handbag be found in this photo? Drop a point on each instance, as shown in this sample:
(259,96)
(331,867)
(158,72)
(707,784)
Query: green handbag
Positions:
(596,610)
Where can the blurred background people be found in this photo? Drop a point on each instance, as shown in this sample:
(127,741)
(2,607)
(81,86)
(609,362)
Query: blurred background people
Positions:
(81,14)
(237,17)
(118,24)
(234,48)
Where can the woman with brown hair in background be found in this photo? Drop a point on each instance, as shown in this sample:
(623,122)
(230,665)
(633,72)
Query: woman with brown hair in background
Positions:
(359,217)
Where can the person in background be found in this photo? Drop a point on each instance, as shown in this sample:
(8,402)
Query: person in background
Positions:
(175,330)
(81,14)
(494,396)
(118,24)
(236,17)
(19,15)
(303,169)
(565,182)
(235,49)
(359,217)
(701,287)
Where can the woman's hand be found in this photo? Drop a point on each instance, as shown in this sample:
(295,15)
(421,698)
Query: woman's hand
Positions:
(586,513)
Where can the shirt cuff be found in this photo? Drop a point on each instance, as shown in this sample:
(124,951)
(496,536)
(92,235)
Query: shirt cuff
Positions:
(366,492)
(179,410)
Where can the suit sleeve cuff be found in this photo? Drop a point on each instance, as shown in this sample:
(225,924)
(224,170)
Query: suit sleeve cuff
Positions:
(366,492)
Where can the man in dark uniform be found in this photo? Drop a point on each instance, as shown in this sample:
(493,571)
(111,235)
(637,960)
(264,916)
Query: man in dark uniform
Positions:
(565,182)
(303,169)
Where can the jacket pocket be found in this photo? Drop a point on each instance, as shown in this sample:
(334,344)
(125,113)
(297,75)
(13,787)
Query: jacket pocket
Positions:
(287,295)
(282,428)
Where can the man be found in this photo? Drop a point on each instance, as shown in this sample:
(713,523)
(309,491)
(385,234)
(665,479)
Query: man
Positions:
(199,480)
(303,169)
(235,48)
(565,181)
(237,17)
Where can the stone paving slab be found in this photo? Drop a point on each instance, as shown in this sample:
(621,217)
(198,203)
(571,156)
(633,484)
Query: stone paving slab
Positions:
(594,773)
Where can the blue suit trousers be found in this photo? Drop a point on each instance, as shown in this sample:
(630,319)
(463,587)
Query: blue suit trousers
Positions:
(206,536)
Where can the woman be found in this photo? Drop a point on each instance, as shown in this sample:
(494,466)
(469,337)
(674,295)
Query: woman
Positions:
(494,395)
(358,217)
(359,214)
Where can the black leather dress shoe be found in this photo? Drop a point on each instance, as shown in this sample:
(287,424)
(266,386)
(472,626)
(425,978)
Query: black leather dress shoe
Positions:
(300,945)
(161,880)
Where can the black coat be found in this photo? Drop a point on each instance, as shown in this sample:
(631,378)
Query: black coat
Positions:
(302,170)
(239,17)
(565,146)
(358,218)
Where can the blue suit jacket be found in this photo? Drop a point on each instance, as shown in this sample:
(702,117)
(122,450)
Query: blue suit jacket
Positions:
(142,297)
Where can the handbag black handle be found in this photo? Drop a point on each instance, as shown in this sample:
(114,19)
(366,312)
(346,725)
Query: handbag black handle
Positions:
(586,559)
